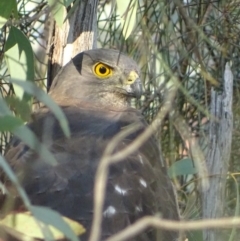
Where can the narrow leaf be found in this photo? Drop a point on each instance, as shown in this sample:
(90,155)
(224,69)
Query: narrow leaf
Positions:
(12,177)
(21,108)
(50,217)
(9,123)
(2,21)
(4,110)
(19,57)
(27,225)
(127,11)
(58,10)
(31,88)
(68,2)
(182,167)
(30,139)
(8,8)
(25,134)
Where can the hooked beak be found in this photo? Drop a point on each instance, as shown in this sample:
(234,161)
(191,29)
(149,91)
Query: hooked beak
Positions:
(133,85)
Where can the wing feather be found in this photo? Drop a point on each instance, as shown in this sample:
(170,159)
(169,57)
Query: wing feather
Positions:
(136,187)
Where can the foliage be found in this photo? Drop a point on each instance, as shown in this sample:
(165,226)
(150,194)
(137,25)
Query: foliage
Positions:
(190,39)
(19,224)
(194,39)
(18,72)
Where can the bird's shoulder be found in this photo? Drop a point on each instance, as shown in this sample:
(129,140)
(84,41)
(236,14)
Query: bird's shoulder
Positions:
(132,184)
(90,128)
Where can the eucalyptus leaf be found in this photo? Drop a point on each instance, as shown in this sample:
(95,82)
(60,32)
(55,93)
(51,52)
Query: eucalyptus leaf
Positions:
(21,108)
(2,21)
(68,2)
(4,110)
(182,167)
(29,138)
(8,8)
(12,177)
(19,58)
(195,235)
(9,123)
(7,233)
(27,224)
(127,11)
(53,218)
(234,231)
(16,126)
(72,9)
(58,10)
(31,88)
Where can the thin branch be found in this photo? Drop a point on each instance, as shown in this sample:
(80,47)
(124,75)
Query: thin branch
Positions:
(107,159)
(149,221)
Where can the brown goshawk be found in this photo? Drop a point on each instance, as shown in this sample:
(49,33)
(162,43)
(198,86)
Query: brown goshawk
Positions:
(93,90)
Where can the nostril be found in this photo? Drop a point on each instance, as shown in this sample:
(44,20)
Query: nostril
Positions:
(130,81)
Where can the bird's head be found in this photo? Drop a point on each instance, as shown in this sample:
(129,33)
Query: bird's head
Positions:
(98,75)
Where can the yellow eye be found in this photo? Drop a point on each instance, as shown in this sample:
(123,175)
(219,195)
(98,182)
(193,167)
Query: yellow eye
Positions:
(102,70)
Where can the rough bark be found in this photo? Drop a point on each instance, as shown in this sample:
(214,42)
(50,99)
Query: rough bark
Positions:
(220,138)
(77,34)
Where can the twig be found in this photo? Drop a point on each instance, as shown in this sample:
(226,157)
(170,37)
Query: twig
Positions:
(150,221)
(107,159)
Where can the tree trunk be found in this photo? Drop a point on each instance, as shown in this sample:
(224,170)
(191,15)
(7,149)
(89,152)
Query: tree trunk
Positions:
(77,34)
(220,138)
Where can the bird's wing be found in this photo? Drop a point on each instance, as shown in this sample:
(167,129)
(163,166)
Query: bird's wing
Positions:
(136,187)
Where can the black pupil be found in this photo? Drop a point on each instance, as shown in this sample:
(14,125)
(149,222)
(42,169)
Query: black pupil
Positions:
(103,70)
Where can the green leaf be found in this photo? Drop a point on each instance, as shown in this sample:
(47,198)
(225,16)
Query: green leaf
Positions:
(127,11)
(72,9)
(28,225)
(4,110)
(31,88)
(182,167)
(8,8)
(68,2)
(9,123)
(29,138)
(234,231)
(26,135)
(50,217)
(19,57)
(2,21)
(12,177)
(7,233)
(21,108)
(58,10)
(195,235)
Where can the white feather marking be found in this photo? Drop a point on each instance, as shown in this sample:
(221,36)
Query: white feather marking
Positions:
(143,182)
(120,190)
(140,159)
(110,211)
(138,209)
